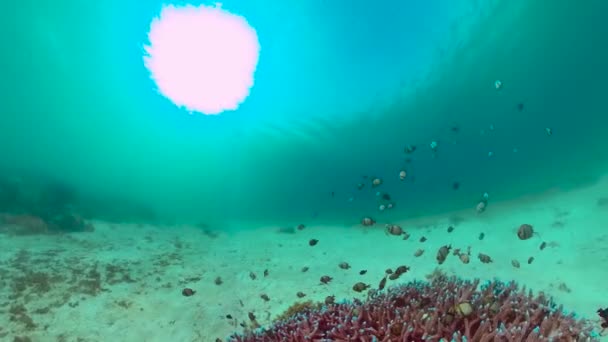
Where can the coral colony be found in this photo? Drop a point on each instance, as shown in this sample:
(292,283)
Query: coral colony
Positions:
(446,309)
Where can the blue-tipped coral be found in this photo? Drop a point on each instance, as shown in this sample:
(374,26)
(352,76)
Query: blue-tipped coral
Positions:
(447,309)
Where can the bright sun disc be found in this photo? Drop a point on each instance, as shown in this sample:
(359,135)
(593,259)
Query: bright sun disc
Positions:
(202,58)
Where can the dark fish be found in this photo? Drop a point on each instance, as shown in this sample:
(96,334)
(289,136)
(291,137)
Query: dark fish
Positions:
(187,292)
(530,260)
(362,272)
(252,275)
(229,316)
(218,281)
(402,269)
(251,316)
(301,294)
(455,129)
(360,287)
(266,273)
(450,229)
(394,276)
(423,239)
(330,300)
(382,284)
(305,269)
(265,297)
(543,245)
(344,265)
(410,149)
(456,185)
(313,242)
(443,253)
(301,226)
(326,279)
(484,258)
(386,197)
(525,231)
(481,236)
(520,106)
(333,194)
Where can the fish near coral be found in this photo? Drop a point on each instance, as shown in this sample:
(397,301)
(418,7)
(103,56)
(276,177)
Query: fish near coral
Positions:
(394,276)
(382,284)
(360,287)
(402,270)
(463,309)
(486,259)
(442,254)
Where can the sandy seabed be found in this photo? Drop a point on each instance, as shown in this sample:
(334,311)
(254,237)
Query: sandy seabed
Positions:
(125,282)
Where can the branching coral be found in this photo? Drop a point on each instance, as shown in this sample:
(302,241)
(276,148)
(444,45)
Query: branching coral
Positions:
(446,309)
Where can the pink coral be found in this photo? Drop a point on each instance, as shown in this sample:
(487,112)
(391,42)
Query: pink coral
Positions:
(447,308)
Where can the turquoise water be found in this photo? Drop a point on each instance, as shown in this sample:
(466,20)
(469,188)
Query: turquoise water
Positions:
(80,109)
(342,87)
(362,82)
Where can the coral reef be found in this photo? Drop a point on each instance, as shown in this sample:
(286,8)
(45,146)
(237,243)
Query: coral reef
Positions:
(297,308)
(446,308)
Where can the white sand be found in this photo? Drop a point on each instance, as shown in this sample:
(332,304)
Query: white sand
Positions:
(140,295)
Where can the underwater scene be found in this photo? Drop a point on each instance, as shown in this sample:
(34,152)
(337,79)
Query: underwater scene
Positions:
(314,170)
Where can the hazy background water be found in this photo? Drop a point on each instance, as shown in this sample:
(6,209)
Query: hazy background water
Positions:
(341,88)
